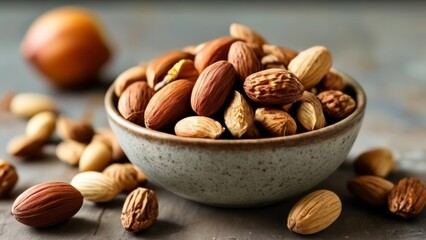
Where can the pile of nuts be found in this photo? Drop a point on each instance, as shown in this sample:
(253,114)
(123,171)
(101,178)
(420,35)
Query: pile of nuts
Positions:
(237,86)
(318,210)
(97,153)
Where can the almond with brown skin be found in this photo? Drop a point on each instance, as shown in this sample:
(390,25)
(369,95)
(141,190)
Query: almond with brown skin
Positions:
(126,78)
(8,177)
(311,65)
(184,69)
(133,101)
(77,130)
(158,67)
(378,162)
(47,204)
(282,54)
(247,34)
(244,60)
(408,198)
(212,88)
(336,104)
(273,86)
(25,147)
(140,210)
(371,189)
(332,81)
(213,51)
(169,105)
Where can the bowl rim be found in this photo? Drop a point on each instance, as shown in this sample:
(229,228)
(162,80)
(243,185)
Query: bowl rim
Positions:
(306,137)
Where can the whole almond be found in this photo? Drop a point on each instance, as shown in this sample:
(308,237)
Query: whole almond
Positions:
(314,212)
(41,126)
(47,204)
(336,104)
(140,210)
(273,86)
(25,147)
(271,61)
(95,157)
(184,69)
(77,130)
(244,60)
(276,123)
(70,151)
(95,186)
(158,67)
(309,112)
(408,198)
(212,52)
(311,65)
(126,78)
(212,88)
(108,137)
(198,127)
(238,115)
(133,102)
(29,104)
(247,34)
(126,175)
(378,161)
(372,190)
(8,177)
(169,105)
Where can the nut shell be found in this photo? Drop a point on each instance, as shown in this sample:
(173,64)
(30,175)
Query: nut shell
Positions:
(336,104)
(140,210)
(408,198)
(47,204)
(273,86)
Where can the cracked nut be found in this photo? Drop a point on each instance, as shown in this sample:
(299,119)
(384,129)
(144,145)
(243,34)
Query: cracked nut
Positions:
(184,69)
(47,204)
(314,212)
(238,115)
(408,198)
(140,210)
(8,177)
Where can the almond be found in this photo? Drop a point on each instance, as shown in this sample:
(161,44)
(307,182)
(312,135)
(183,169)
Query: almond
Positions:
(29,104)
(309,112)
(95,157)
(95,186)
(332,81)
(371,189)
(157,68)
(8,178)
(378,162)
(41,126)
(336,104)
(126,78)
(276,123)
(247,34)
(108,137)
(24,147)
(213,51)
(311,65)
(238,115)
(140,210)
(314,212)
(126,175)
(70,151)
(408,198)
(273,86)
(47,204)
(169,105)
(133,102)
(199,127)
(282,54)
(77,130)
(244,60)
(212,88)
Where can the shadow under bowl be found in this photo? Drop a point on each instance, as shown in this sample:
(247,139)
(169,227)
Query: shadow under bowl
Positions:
(241,172)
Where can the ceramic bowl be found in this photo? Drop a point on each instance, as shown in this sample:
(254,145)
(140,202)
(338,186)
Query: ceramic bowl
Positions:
(238,173)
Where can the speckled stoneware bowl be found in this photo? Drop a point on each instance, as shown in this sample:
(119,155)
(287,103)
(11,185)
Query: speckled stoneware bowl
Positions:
(238,173)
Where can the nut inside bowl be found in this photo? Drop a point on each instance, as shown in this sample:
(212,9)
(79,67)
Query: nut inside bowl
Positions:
(243,172)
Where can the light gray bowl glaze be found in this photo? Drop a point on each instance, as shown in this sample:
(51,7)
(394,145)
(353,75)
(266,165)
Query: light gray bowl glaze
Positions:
(238,173)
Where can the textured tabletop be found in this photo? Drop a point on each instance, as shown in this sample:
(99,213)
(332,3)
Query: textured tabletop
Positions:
(381,45)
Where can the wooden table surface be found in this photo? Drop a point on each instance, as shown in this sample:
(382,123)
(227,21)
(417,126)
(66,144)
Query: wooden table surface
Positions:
(382,45)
